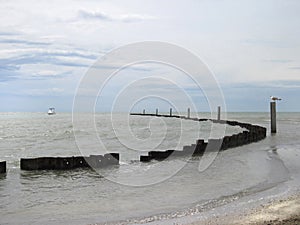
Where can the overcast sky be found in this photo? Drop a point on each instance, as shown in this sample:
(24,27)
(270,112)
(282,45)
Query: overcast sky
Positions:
(251,46)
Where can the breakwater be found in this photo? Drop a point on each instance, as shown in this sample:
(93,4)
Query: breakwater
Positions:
(67,163)
(254,133)
(3,167)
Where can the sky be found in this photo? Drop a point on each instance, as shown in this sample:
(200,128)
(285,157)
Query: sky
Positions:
(252,48)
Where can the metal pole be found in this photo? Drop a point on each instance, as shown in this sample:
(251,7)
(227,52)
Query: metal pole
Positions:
(189,112)
(156,112)
(273,117)
(219,112)
(170,111)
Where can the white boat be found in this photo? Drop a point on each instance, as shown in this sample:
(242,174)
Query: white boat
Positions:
(51,111)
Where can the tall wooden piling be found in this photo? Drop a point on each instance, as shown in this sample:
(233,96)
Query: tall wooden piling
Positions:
(189,113)
(144,111)
(273,117)
(219,113)
(156,113)
(170,111)
(3,167)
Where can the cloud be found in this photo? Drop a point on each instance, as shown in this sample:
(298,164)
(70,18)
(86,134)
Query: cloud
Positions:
(5,33)
(267,43)
(295,68)
(129,18)
(5,77)
(50,52)
(32,63)
(94,15)
(279,84)
(45,75)
(24,42)
(62,58)
(278,60)
(55,91)
(8,73)
(9,67)
(66,53)
(126,18)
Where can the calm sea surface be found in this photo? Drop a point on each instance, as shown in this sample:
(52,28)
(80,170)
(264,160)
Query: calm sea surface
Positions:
(135,191)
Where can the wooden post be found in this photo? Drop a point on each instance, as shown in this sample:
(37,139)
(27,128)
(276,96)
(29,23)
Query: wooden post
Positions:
(156,113)
(170,111)
(219,112)
(144,111)
(273,117)
(189,113)
(3,167)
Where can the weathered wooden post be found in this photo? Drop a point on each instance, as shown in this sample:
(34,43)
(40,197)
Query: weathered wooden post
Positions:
(219,112)
(273,117)
(189,113)
(3,167)
(144,111)
(273,113)
(170,111)
(156,113)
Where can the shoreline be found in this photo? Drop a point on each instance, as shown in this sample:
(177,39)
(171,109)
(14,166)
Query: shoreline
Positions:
(281,211)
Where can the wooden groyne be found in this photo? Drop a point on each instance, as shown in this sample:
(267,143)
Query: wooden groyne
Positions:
(2,167)
(254,133)
(67,163)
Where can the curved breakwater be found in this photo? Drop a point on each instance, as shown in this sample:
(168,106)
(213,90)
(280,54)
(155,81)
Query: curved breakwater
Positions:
(254,133)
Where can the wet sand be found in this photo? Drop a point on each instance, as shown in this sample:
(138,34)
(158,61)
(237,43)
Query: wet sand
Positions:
(279,212)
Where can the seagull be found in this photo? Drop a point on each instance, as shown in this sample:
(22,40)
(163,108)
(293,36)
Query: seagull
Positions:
(273,98)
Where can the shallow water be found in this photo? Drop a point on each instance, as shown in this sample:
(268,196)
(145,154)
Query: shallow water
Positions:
(136,191)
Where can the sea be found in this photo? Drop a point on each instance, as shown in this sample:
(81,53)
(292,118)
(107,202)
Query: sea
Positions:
(135,192)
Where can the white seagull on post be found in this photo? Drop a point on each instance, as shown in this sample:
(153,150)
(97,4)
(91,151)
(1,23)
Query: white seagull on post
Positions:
(273,98)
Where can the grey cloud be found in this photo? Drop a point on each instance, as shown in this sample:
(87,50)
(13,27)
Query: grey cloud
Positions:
(5,33)
(267,42)
(280,84)
(54,76)
(24,42)
(10,67)
(295,68)
(7,77)
(72,54)
(8,73)
(126,18)
(121,67)
(278,60)
(47,58)
(94,15)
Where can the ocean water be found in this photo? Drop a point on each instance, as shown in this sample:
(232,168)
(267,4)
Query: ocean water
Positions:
(136,192)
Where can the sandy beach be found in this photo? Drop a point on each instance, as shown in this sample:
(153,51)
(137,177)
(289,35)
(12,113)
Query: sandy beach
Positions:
(281,211)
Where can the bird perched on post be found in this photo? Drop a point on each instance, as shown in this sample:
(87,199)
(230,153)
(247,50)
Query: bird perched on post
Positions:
(273,98)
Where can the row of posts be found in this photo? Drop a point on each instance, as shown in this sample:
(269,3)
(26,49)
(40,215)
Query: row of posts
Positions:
(272,110)
(188,112)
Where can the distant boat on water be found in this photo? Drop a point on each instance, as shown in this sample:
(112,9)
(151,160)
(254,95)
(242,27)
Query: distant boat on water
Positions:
(51,111)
